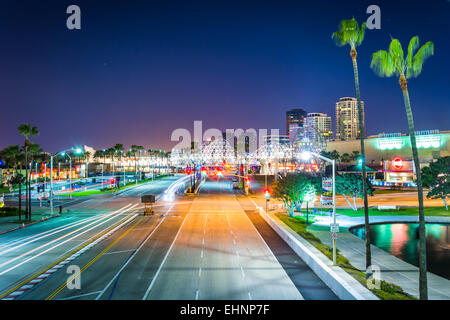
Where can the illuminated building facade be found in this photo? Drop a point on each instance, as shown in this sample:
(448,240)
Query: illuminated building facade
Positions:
(347,121)
(431,144)
(321,127)
(295,117)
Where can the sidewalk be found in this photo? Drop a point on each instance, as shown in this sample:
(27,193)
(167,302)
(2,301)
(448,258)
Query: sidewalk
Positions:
(8,223)
(393,269)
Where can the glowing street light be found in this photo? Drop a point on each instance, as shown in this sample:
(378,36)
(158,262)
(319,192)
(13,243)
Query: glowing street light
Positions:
(62,153)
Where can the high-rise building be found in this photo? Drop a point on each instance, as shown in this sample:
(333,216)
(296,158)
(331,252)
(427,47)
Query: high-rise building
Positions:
(295,116)
(319,127)
(347,121)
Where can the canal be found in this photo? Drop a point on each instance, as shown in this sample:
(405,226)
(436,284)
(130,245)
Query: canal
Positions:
(401,240)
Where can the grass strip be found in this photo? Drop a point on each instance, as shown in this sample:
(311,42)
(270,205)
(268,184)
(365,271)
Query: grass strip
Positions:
(387,291)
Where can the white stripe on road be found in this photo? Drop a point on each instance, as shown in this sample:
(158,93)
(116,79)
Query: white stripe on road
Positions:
(133,255)
(62,228)
(51,248)
(162,263)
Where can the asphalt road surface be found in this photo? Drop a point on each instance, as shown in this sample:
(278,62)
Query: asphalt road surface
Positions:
(27,251)
(211,246)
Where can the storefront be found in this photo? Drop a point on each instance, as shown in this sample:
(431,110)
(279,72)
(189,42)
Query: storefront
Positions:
(399,171)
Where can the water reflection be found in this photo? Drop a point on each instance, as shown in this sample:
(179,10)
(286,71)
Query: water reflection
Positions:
(402,241)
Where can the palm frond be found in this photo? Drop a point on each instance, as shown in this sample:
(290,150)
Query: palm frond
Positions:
(412,47)
(382,64)
(397,55)
(349,32)
(361,33)
(426,51)
(339,38)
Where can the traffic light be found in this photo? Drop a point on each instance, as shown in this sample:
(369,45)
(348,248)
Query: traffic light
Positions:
(359,161)
(188,170)
(266,193)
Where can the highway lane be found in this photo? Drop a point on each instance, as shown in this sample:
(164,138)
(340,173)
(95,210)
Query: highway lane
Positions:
(218,254)
(29,250)
(202,247)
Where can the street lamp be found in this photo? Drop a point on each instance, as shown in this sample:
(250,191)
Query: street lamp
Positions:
(63,153)
(306,155)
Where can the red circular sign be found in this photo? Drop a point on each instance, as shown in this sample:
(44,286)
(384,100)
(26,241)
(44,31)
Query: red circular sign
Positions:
(397,163)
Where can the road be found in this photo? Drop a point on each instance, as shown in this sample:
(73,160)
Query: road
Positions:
(27,251)
(211,246)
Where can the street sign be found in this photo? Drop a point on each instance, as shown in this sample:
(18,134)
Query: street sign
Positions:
(334,227)
(149,198)
(334,236)
(326,200)
(327,184)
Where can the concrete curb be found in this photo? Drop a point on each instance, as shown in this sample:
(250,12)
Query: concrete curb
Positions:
(30,224)
(342,284)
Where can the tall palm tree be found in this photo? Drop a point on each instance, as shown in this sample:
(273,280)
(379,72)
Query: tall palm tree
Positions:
(389,63)
(351,33)
(27,130)
(135,149)
(14,157)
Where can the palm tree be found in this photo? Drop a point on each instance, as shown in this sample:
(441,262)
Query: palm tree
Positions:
(27,130)
(134,149)
(14,158)
(386,64)
(350,33)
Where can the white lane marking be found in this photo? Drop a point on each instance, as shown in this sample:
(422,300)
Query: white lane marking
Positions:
(200,272)
(267,246)
(257,232)
(59,244)
(201,254)
(196,295)
(243,273)
(250,296)
(203,241)
(120,251)
(164,260)
(80,295)
(59,238)
(133,255)
(96,218)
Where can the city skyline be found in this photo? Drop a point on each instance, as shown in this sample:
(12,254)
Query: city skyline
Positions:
(248,76)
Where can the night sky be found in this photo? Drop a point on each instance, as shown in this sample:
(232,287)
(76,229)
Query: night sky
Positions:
(137,70)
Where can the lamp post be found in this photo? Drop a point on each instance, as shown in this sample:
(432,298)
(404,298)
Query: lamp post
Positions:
(307,155)
(63,153)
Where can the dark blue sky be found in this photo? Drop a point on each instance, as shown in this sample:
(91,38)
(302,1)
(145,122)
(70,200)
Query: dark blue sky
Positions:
(139,69)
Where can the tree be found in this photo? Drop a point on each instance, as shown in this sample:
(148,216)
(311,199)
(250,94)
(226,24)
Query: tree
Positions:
(135,149)
(27,131)
(386,64)
(14,157)
(294,189)
(355,155)
(437,177)
(351,185)
(351,33)
(346,158)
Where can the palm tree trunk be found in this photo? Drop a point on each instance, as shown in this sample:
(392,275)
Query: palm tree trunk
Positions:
(362,135)
(29,192)
(20,193)
(423,287)
(26,184)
